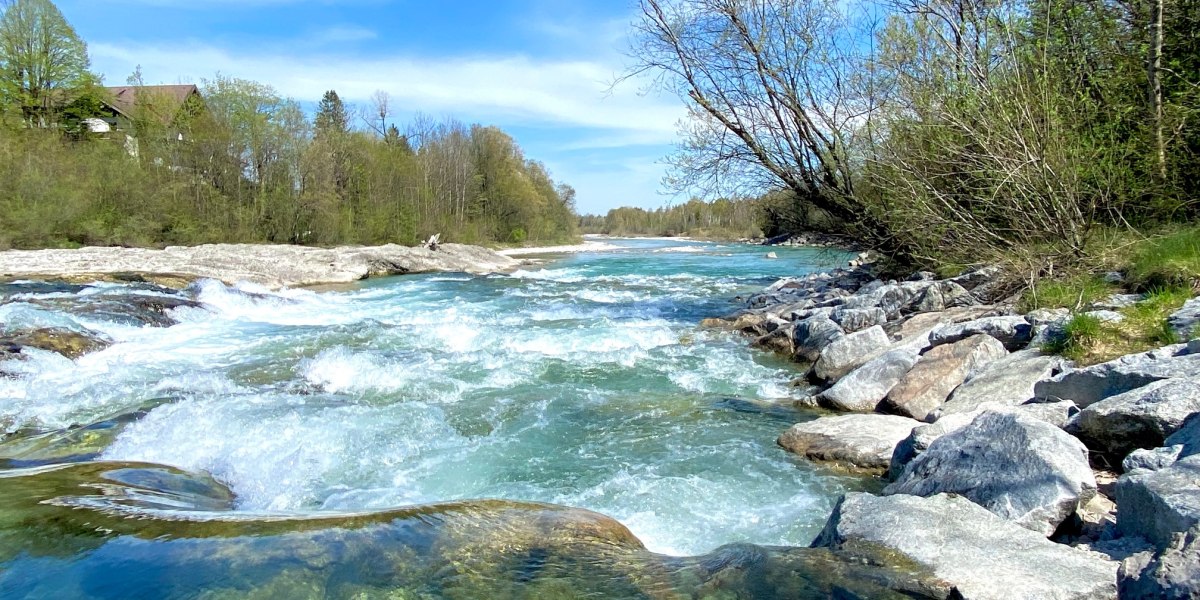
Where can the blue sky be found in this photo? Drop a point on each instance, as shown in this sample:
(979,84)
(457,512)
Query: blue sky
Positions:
(540,69)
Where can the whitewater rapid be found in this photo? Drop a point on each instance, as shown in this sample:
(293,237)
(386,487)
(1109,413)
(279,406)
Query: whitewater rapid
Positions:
(584,381)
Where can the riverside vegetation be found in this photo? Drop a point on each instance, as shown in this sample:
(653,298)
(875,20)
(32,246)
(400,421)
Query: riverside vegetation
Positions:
(240,163)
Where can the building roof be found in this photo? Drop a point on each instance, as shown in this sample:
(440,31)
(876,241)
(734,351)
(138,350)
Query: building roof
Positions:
(171,97)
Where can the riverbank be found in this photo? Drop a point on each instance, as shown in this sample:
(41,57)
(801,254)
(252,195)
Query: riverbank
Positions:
(271,266)
(990,445)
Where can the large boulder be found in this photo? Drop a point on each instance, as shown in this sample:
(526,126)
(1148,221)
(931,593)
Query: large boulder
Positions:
(1142,418)
(1021,468)
(940,296)
(1013,331)
(1187,437)
(865,387)
(1007,381)
(1090,385)
(858,319)
(850,352)
(1173,574)
(1159,505)
(981,555)
(859,442)
(939,372)
(812,335)
(1056,414)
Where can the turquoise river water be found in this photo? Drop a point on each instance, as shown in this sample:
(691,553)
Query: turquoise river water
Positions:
(582,381)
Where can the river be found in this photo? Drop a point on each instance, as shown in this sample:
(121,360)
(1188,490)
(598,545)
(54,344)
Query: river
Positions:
(582,381)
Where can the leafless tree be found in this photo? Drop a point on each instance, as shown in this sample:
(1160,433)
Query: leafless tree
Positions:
(773,89)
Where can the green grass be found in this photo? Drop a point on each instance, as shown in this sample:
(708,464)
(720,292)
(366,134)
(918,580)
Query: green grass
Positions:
(1081,335)
(1167,261)
(1087,340)
(1074,293)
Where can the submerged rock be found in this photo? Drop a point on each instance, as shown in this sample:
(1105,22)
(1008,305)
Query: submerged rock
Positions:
(1020,468)
(860,442)
(69,343)
(981,555)
(120,530)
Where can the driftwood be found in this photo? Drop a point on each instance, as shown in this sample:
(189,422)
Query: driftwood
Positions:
(433,242)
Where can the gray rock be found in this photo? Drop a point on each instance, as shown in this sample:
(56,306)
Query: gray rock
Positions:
(1090,385)
(1018,467)
(858,319)
(939,297)
(1193,346)
(1187,437)
(1118,301)
(1106,316)
(778,341)
(1184,321)
(983,556)
(865,387)
(1151,460)
(1142,418)
(1056,414)
(850,352)
(1114,277)
(893,298)
(812,335)
(1014,332)
(1048,316)
(939,372)
(1173,574)
(861,442)
(1158,505)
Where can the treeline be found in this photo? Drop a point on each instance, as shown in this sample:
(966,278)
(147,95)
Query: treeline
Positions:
(941,131)
(240,163)
(719,219)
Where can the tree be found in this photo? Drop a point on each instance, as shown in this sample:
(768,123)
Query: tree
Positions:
(332,117)
(774,96)
(42,60)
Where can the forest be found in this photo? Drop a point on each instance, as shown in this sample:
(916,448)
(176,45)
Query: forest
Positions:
(238,162)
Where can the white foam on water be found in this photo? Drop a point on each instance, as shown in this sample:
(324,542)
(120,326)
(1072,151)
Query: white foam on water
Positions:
(555,385)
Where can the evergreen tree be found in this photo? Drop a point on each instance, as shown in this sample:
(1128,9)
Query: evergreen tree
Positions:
(331,118)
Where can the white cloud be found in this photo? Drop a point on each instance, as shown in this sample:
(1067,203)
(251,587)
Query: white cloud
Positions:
(506,88)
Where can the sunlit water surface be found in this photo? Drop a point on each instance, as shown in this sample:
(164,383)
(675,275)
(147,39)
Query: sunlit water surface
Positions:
(582,381)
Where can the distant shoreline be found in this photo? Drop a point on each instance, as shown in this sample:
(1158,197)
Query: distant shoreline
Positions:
(272,266)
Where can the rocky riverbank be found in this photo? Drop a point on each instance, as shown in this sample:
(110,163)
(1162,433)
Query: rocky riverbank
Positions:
(272,266)
(1013,474)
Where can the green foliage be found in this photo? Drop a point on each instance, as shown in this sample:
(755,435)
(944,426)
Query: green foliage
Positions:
(242,164)
(1088,340)
(719,219)
(42,61)
(1080,336)
(1170,260)
(1073,293)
